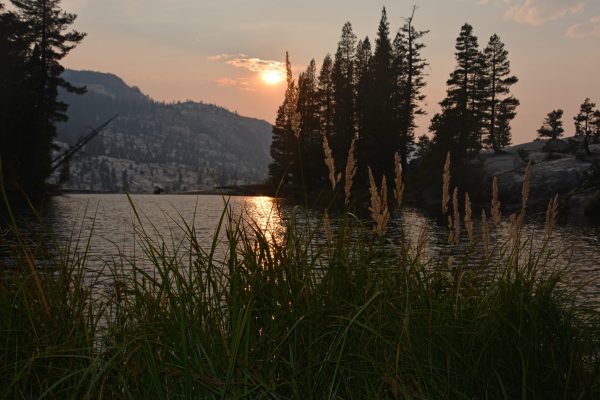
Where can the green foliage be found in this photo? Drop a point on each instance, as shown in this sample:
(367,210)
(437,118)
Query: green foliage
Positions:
(286,317)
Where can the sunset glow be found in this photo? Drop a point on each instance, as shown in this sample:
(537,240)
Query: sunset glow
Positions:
(272,77)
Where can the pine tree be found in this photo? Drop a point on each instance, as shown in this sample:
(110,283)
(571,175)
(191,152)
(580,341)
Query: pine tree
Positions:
(552,126)
(49,41)
(378,143)
(15,97)
(343,89)
(462,85)
(458,128)
(499,107)
(503,130)
(363,69)
(409,72)
(326,97)
(584,123)
(311,142)
(284,145)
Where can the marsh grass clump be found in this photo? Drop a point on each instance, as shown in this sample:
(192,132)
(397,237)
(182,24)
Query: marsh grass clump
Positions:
(254,314)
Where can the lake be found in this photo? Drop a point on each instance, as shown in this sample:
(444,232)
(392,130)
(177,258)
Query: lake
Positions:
(111,220)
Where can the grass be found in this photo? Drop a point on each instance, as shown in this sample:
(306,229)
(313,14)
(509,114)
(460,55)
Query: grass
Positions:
(254,315)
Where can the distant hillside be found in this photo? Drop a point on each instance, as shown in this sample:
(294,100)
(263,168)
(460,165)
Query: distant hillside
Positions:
(180,146)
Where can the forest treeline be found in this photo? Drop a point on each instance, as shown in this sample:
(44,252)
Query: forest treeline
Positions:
(371,95)
(34,38)
(364,101)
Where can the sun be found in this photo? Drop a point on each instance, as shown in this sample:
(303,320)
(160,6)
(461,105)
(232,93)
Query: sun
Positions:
(272,77)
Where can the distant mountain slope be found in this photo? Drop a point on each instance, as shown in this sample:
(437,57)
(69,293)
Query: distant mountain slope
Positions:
(179,146)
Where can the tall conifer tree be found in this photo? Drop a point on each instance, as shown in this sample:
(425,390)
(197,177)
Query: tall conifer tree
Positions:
(462,85)
(379,142)
(285,144)
(343,87)
(311,142)
(499,106)
(458,128)
(364,79)
(49,40)
(326,97)
(15,98)
(409,76)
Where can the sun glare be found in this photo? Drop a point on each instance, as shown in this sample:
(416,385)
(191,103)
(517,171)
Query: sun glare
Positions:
(272,77)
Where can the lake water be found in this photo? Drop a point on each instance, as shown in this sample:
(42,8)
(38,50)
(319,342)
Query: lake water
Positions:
(109,220)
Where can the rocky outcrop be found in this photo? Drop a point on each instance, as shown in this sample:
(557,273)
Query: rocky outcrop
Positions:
(558,172)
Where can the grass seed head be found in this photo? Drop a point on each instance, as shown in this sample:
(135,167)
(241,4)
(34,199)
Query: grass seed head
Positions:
(551,216)
(468,217)
(446,185)
(496,215)
(333,179)
(485,232)
(350,172)
(456,212)
(398,181)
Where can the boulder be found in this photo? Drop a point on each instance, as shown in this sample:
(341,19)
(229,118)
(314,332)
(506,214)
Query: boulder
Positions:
(547,179)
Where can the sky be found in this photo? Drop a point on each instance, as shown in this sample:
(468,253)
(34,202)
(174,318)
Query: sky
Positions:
(228,52)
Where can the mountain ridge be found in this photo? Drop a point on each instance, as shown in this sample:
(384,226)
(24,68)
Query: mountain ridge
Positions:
(178,146)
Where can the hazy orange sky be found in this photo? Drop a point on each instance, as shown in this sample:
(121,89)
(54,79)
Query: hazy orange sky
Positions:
(215,51)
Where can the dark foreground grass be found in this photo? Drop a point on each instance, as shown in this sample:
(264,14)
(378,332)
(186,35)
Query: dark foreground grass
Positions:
(280,317)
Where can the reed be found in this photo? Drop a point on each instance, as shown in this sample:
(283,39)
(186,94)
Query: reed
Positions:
(350,172)
(252,315)
(329,161)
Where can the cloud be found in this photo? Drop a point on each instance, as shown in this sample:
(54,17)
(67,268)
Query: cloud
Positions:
(582,30)
(253,64)
(241,83)
(218,57)
(226,82)
(256,64)
(538,12)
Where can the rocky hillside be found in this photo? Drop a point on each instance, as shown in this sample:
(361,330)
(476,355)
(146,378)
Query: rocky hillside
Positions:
(179,147)
(558,167)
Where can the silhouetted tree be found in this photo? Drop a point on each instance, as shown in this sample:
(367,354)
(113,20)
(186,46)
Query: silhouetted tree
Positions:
(15,98)
(326,97)
(48,41)
(378,142)
(343,89)
(310,138)
(409,72)
(498,107)
(503,135)
(364,78)
(584,123)
(552,127)
(458,127)
(462,85)
(284,145)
